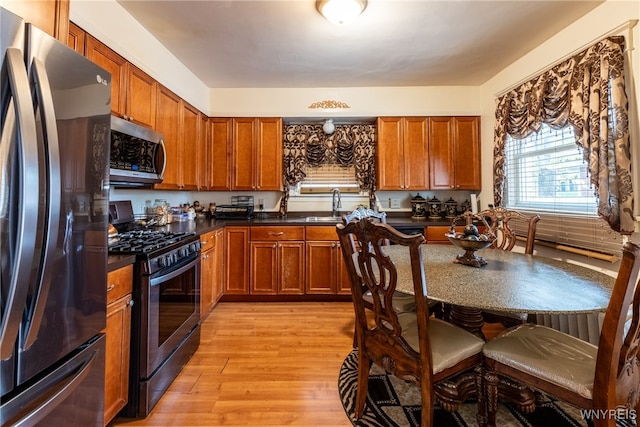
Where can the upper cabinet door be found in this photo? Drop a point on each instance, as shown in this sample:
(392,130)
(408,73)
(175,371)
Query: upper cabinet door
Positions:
(441,166)
(189,141)
(51,16)
(416,153)
(466,132)
(100,54)
(454,153)
(269,154)
(220,153)
(141,95)
(76,38)
(390,153)
(168,124)
(244,154)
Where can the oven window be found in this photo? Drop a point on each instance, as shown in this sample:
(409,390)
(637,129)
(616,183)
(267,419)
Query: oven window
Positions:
(177,302)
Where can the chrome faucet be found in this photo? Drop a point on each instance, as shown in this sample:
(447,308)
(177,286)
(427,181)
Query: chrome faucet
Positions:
(335,202)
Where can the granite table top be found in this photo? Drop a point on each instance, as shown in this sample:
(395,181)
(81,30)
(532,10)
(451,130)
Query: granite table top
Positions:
(510,282)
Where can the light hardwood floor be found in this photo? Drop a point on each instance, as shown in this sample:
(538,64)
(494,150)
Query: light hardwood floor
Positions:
(261,364)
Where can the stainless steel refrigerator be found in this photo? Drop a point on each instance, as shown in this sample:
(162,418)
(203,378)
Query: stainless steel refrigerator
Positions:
(54,150)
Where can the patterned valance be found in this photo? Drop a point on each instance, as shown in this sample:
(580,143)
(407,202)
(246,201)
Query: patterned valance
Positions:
(582,91)
(349,145)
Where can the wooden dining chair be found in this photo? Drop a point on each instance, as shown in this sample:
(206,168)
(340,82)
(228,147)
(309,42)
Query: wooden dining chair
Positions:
(604,379)
(502,223)
(410,345)
(401,301)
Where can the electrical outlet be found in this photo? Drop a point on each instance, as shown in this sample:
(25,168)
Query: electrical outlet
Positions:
(395,203)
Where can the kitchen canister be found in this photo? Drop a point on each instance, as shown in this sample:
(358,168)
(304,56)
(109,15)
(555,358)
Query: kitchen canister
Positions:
(435,208)
(451,208)
(418,207)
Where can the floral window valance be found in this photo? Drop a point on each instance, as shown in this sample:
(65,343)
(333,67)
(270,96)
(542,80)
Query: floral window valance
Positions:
(588,92)
(307,145)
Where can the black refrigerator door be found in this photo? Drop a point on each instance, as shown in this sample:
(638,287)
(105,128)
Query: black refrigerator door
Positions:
(19,183)
(66,306)
(72,394)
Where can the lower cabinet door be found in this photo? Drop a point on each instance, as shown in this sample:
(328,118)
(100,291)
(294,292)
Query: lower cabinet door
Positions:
(118,332)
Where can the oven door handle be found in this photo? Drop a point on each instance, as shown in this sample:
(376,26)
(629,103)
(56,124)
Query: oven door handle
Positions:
(175,273)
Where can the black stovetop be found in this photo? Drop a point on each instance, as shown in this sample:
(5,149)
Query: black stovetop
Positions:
(146,241)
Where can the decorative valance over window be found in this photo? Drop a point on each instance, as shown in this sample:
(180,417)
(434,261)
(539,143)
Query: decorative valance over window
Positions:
(588,92)
(307,145)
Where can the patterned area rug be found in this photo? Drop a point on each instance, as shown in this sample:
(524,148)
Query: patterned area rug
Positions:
(395,403)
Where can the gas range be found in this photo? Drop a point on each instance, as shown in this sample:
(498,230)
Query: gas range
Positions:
(156,250)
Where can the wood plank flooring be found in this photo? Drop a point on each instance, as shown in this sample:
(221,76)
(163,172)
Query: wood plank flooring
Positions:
(263,364)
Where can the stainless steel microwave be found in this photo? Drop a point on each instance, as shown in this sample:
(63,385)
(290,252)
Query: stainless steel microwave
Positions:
(138,155)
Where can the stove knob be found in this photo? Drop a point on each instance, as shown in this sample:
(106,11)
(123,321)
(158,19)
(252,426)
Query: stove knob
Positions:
(183,252)
(162,262)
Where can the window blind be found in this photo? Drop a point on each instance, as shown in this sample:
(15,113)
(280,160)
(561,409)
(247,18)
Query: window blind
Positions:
(546,174)
(324,178)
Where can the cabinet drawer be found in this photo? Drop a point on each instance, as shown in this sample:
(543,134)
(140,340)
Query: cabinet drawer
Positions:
(119,283)
(322,232)
(207,240)
(277,233)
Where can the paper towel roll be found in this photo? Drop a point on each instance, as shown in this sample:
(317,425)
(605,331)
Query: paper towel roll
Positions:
(474,204)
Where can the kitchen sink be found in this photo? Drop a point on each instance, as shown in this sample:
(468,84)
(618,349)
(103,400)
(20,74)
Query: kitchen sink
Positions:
(323,219)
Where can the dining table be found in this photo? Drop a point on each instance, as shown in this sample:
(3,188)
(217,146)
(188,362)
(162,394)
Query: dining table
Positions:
(510,282)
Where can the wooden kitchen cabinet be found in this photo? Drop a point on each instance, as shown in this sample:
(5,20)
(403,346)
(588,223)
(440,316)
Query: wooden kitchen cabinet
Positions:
(118,336)
(168,124)
(203,149)
(189,143)
(236,268)
(277,260)
(207,279)
(256,154)
(141,97)
(180,124)
(133,92)
(403,152)
(76,38)
(454,153)
(102,55)
(218,266)
(220,154)
(325,271)
(51,16)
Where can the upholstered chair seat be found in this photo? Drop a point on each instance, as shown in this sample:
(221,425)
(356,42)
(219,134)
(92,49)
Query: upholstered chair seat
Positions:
(450,344)
(548,354)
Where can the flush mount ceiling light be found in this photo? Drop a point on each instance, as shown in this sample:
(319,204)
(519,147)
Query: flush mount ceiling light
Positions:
(341,11)
(328,127)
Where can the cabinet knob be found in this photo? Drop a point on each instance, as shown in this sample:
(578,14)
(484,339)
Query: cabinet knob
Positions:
(130,303)
(111,287)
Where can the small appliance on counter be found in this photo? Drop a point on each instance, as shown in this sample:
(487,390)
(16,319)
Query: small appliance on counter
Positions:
(241,207)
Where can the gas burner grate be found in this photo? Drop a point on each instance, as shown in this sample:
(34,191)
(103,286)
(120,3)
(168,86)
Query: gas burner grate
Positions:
(145,241)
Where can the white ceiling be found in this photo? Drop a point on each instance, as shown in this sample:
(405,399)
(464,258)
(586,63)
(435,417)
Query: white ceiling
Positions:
(288,44)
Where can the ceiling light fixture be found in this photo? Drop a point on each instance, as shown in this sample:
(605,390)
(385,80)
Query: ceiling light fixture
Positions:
(328,127)
(341,11)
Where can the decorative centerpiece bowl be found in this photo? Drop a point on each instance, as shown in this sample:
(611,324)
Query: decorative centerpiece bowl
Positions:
(471,243)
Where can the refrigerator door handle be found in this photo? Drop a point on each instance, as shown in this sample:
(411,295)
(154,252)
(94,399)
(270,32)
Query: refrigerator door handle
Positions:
(21,417)
(23,253)
(50,131)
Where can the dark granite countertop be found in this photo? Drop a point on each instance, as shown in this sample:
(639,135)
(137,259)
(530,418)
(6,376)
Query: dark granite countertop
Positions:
(204,225)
